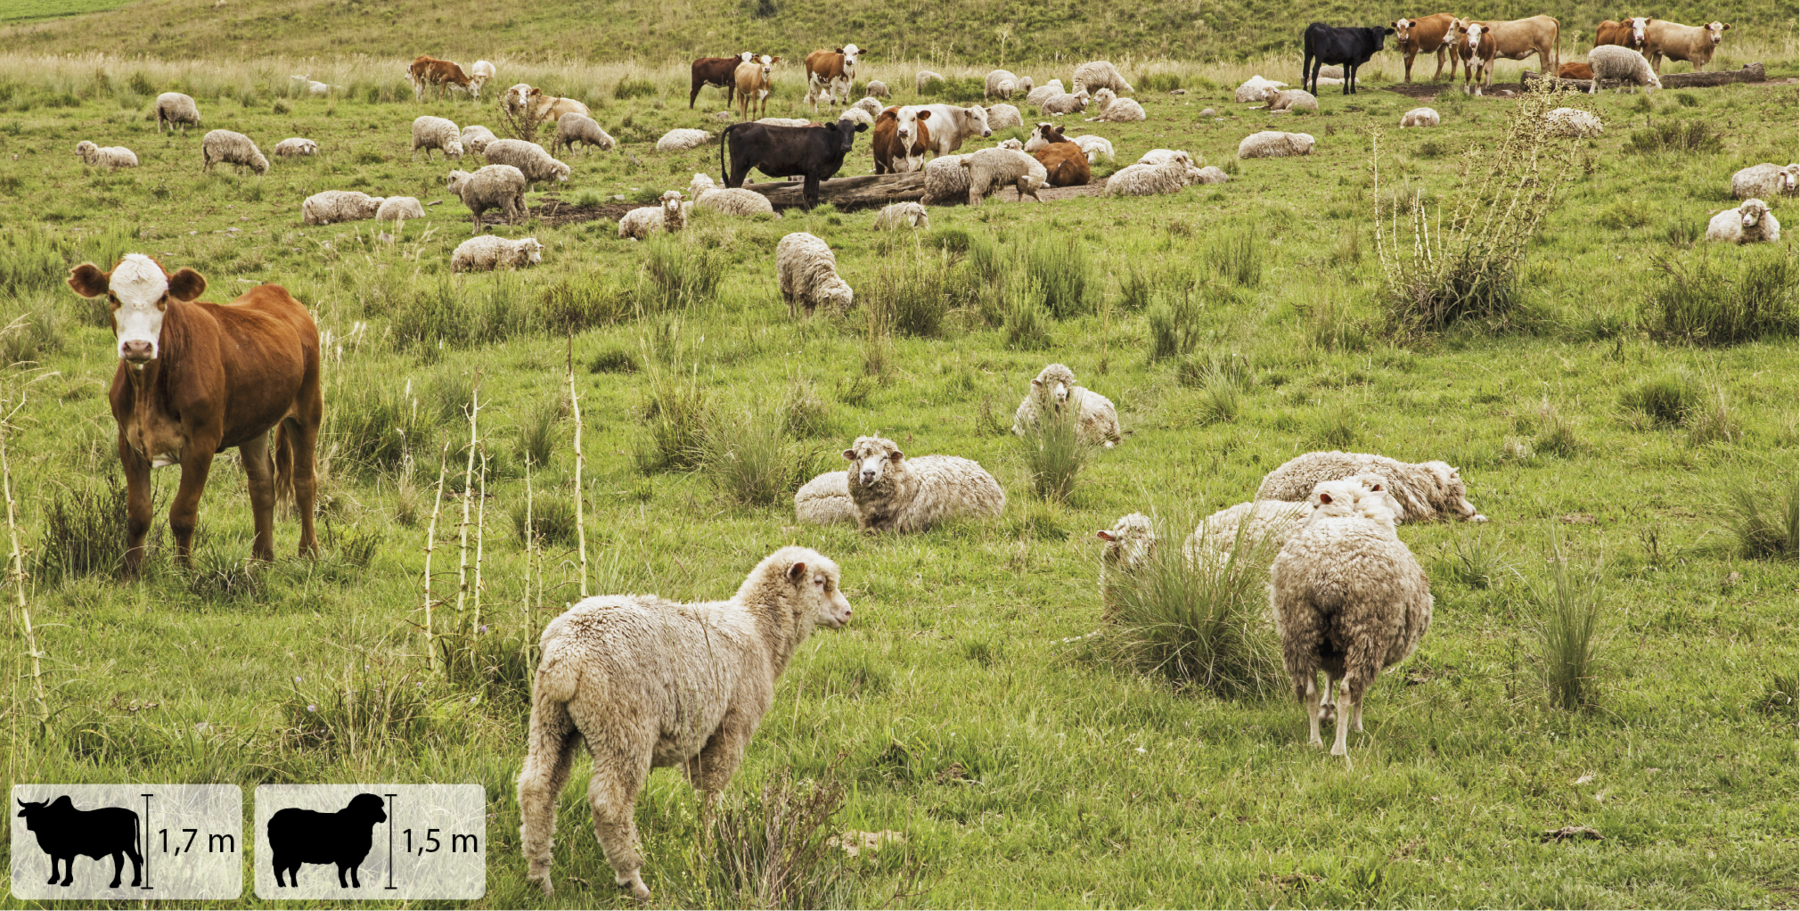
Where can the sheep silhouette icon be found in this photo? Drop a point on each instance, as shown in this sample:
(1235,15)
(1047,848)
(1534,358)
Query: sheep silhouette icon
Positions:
(343,838)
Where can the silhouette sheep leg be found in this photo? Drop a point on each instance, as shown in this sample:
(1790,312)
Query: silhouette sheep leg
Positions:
(612,793)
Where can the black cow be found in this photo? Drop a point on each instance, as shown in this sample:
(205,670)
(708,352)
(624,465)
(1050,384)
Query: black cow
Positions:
(812,153)
(1351,47)
(65,832)
(299,836)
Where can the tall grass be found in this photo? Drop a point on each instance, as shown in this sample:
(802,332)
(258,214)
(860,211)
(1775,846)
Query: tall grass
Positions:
(748,457)
(1054,453)
(1726,300)
(1569,625)
(1062,273)
(675,418)
(778,848)
(918,291)
(678,274)
(83,531)
(1763,519)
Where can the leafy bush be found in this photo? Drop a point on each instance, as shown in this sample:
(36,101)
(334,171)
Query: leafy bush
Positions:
(1725,300)
(780,850)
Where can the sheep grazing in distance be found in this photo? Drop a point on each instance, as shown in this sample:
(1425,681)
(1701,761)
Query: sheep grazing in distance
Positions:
(436,133)
(1152,179)
(946,180)
(1570,123)
(894,493)
(1749,223)
(1766,181)
(334,206)
(489,252)
(1129,544)
(1612,63)
(924,78)
(1255,89)
(399,208)
(176,110)
(295,147)
(575,128)
(729,201)
(1423,490)
(669,214)
(1057,105)
(1349,599)
(314,88)
(679,140)
(530,158)
(1419,117)
(496,186)
(877,89)
(806,270)
(1004,116)
(647,682)
(1099,74)
(475,138)
(1053,391)
(1035,97)
(1275,144)
(991,170)
(342,839)
(111,158)
(227,147)
(902,214)
(479,74)
(825,500)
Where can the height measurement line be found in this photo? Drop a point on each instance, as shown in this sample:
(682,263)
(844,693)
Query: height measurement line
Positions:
(390,824)
(145,844)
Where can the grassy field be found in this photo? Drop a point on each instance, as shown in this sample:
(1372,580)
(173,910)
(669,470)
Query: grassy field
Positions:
(1025,763)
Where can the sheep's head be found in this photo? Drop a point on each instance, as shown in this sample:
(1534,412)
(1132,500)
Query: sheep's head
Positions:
(456,181)
(1753,211)
(1104,98)
(871,458)
(1128,543)
(454,149)
(1790,179)
(1340,499)
(86,150)
(1377,502)
(701,183)
(369,808)
(814,580)
(1451,491)
(1052,385)
(530,252)
(1013,144)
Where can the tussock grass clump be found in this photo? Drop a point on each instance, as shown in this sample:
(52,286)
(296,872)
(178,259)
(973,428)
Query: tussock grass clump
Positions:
(1782,694)
(957,89)
(675,417)
(1556,433)
(537,430)
(1763,519)
(1569,626)
(917,291)
(552,522)
(463,315)
(747,456)
(34,333)
(1726,300)
(83,532)
(1174,326)
(778,849)
(612,360)
(1054,454)
(582,303)
(677,275)
(357,715)
(1664,400)
(1063,274)
(804,413)
(1137,287)
(1235,256)
(219,576)
(1687,136)
(1027,325)
(1158,82)
(633,87)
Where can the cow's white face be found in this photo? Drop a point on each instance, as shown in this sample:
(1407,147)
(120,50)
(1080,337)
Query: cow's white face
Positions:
(978,115)
(1452,33)
(1475,31)
(906,127)
(1637,30)
(1402,29)
(746,56)
(851,54)
(139,294)
(1716,31)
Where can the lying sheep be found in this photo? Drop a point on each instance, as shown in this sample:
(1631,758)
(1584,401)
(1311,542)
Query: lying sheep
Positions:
(1096,148)
(111,158)
(336,206)
(647,682)
(765,121)
(807,272)
(399,208)
(1151,179)
(489,252)
(227,147)
(877,89)
(575,128)
(436,133)
(530,158)
(315,88)
(1275,521)
(924,78)
(1256,89)
(1035,97)
(1064,104)
(1099,74)
(1612,63)
(1349,599)
(894,493)
(1208,174)
(946,180)
(991,170)
(1766,181)
(999,84)
(1129,545)
(729,201)
(1570,123)
(497,186)
(1274,144)
(1053,392)
(902,214)
(825,500)
(1749,223)
(1114,109)
(295,147)
(475,138)
(1165,156)
(1013,144)
(176,110)
(1283,101)
(668,215)
(679,140)
(1419,117)
(1004,116)
(855,115)
(868,106)
(1423,490)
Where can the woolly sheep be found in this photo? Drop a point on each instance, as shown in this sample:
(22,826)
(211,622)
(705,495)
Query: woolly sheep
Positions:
(1749,223)
(1423,490)
(647,682)
(1571,123)
(924,77)
(1255,89)
(678,140)
(1164,156)
(1275,521)
(1013,144)
(1098,74)
(1052,391)
(395,208)
(1283,101)
(1612,63)
(334,206)
(868,106)
(766,121)
(1129,545)
(1035,97)
(902,214)
(176,110)
(475,138)
(497,186)
(530,158)
(731,200)
(295,147)
(436,133)
(894,493)
(1273,144)
(807,272)
(1096,148)
(1766,181)
(1114,109)
(479,74)
(825,500)
(227,147)
(111,158)
(946,180)
(991,170)
(1208,174)
(1064,104)
(574,128)
(668,215)
(1000,84)
(1419,117)
(313,87)
(877,89)
(1349,599)
(855,115)
(489,252)
(1004,116)
(1149,179)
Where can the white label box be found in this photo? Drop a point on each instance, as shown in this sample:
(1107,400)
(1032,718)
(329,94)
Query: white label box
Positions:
(127,842)
(350,842)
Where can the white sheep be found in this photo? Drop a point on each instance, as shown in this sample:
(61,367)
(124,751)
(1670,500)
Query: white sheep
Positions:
(1274,144)
(1284,101)
(877,89)
(1099,74)
(430,132)
(497,186)
(1612,63)
(1164,156)
(399,208)
(227,147)
(923,78)
(296,147)
(1255,89)
(1766,181)
(825,500)
(176,110)
(730,200)
(1150,179)
(855,115)
(1064,104)
(946,181)
(1114,109)
(334,206)
(646,682)
(111,158)
(1349,599)
(1097,148)
(669,214)
(894,493)
(1000,84)
(479,74)
(682,139)
(1013,144)
(530,158)
(806,270)
(1275,521)
(475,138)
(868,106)
(1751,222)
(1035,97)
(1053,391)
(1208,174)
(1419,117)
(991,170)
(576,128)
(315,88)
(489,252)
(902,214)
(1423,490)
(1129,545)
(765,121)
(1573,124)
(1004,116)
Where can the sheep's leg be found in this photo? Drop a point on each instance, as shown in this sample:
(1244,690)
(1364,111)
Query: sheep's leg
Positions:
(612,795)
(1359,726)
(553,740)
(1345,708)
(1312,708)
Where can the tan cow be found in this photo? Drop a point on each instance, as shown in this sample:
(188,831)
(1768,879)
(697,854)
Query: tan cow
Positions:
(1693,43)
(754,80)
(538,106)
(1480,43)
(829,73)
(427,70)
(1432,34)
(1627,32)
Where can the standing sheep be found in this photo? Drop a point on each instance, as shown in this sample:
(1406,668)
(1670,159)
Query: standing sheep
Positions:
(496,186)
(341,839)
(296,147)
(574,128)
(529,157)
(730,200)
(647,682)
(176,110)
(436,133)
(669,215)
(1766,181)
(825,500)
(902,214)
(946,180)
(1749,223)
(877,89)
(1423,491)
(807,272)
(489,252)
(475,138)
(1612,63)
(1349,599)
(1099,74)
(1419,117)
(1275,144)
(336,206)
(991,170)
(1054,390)
(227,147)
(894,493)
(111,158)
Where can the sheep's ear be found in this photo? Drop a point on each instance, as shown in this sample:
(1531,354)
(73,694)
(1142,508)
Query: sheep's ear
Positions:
(850,454)
(896,456)
(1324,498)
(796,572)
(186,285)
(1037,382)
(1106,536)
(88,280)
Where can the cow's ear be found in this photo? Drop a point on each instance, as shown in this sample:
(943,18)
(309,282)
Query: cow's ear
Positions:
(1726,27)
(838,51)
(774,60)
(923,115)
(186,285)
(88,280)
(1388,31)
(862,127)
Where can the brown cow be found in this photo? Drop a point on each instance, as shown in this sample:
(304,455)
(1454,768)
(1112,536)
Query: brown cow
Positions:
(196,378)
(1574,71)
(1693,43)
(718,72)
(1627,32)
(829,72)
(1480,43)
(894,153)
(1429,35)
(755,80)
(1065,163)
(427,70)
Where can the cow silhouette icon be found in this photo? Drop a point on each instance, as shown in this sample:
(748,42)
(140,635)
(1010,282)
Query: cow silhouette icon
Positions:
(343,838)
(65,833)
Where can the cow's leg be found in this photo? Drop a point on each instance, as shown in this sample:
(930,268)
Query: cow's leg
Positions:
(137,516)
(184,512)
(303,440)
(811,191)
(254,453)
(694,92)
(53,860)
(118,858)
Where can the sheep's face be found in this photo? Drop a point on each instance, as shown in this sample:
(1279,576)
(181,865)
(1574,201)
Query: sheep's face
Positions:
(1128,542)
(1053,384)
(1454,493)
(1790,179)
(838,295)
(454,149)
(1337,499)
(871,458)
(1012,144)
(701,184)
(86,150)
(367,807)
(530,251)
(455,182)
(138,292)
(820,594)
(1377,502)
(1753,211)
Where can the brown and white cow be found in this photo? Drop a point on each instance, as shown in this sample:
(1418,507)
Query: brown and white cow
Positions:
(718,72)
(1693,43)
(1627,32)
(533,103)
(1065,164)
(754,80)
(197,378)
(901,137)
(1481,43)
(1574,71)
(1432,34)
(951,125)
(829,74)
(427,70)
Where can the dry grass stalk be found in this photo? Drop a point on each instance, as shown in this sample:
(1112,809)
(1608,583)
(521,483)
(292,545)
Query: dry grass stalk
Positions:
(580,518)
(18,580)
(480,535)
(530,558)
(437,503)
(462,531)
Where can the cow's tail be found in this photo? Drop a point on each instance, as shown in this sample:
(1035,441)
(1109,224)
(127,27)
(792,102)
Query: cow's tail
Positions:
(724,178)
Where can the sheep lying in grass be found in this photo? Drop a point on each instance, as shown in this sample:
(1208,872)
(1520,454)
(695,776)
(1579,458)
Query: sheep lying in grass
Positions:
(1284,101)
(1766,181)
(868,106)
(1114,109)
(902,214)
(497,186)
(1749,223)
(1064,104)
(1035,97)
(111,158)
(806,270)
(1612,63)
(296,147)
(399,208)
(436,133)
(679,140)
(1423,491)
(647,682)
(1419,117)
(894,493)
(730,200)
(669,214)
(1129,544)
(1275,144)
(336,206)
(1570,123)
(227,147)
(1349,599)
(1152,179)
(1004,117)
(488,252)
(1052,391)
(1256,89)
(1275,521)
(825,500)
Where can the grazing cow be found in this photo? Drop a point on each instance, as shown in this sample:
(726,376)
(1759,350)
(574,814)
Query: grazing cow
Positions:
(900,140)
(718,72)
(951,125)
(1693,43)
(830,72)
(1065,164)
(64,833)
(1429,35)
(1481,43)
(1627,32)
(755,80)
(1351,47)
(1574,71)
(427,70)
(196,378)
(343,838)
(812,153)
(538,106)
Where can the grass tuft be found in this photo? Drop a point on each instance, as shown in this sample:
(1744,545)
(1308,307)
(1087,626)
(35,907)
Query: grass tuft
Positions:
(1764,519)
(1665,400)
(1686,136)
(777,849)
(749,459)
(1569,626)
(1726,300)
(1054,454)
(83,532)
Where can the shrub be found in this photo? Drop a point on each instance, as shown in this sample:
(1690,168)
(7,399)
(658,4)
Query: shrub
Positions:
(1569,629)
(1725,300)
(678,275)
(1063,274)
(779,849)
(1763,519)
(629,88)
(84,532)
(1665,399)
(1054,454)
(1137,287)
(1687,136)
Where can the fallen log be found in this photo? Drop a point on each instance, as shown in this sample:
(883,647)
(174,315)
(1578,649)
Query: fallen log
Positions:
(1752,72)
(866,191)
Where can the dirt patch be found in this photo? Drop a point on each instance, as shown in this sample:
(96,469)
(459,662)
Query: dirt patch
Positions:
(1417,89)
(553,211)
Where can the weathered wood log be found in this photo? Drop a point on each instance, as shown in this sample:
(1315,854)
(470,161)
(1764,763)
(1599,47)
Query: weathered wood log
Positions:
(1752,72)
(866,191)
